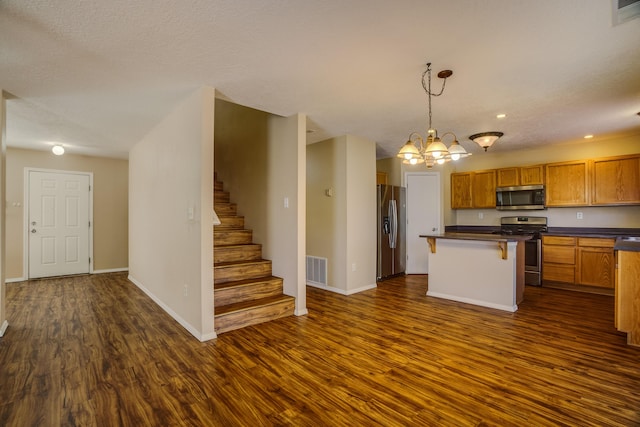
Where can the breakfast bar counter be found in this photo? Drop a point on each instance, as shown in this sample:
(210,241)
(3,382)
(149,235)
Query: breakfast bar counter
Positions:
(476,268)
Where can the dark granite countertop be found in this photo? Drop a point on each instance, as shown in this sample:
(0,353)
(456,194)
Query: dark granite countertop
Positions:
(600,232)
(631,244)
(479,236)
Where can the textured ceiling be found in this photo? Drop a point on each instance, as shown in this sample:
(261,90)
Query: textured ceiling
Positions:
(96,76)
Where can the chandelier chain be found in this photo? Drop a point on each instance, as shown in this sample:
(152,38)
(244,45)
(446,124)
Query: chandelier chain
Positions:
(427,88)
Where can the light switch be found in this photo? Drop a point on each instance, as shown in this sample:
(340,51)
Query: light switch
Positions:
(190,213)
(286,202)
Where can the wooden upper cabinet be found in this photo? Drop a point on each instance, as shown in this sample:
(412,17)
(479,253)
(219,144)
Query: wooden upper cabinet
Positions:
(524,175)
(615,181)
(508,177)
(532,175)
(567,184)
(381,178)
(484,189)
(461,190)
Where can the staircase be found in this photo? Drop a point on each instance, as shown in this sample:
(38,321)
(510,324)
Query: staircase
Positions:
(245,291)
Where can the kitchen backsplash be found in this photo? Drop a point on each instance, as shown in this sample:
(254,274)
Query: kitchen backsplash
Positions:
(613,217)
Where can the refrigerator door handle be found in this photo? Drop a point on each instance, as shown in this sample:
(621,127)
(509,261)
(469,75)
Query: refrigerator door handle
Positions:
(393,215)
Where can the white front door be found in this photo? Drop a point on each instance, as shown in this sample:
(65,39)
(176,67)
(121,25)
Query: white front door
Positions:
(58,223)
(423,217)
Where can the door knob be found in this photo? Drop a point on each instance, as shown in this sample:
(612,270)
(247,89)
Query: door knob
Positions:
(434,229)
(33,230)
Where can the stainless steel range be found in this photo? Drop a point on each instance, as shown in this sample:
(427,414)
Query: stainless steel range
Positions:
(533,226)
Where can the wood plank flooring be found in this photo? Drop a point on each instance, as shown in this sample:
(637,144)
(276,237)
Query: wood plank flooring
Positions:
(95,351)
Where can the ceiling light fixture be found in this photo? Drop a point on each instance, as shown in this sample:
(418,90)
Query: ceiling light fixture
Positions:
(57,149)
(431,150)
(501,116)
(588,136)
(485,139)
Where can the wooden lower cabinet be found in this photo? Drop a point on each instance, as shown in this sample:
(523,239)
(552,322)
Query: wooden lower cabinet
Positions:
(559,259)
(596,262)
(627,315)
(585,261)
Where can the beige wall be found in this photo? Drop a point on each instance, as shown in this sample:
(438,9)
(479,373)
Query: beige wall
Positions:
(393,167)
(342,227)
(110,205)
(361,214)
(3,181)
(260,159)
(171,213)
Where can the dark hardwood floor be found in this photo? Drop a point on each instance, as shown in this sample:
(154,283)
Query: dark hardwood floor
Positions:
(96,351)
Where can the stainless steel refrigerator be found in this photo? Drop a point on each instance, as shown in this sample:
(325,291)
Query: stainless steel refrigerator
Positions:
(392,218)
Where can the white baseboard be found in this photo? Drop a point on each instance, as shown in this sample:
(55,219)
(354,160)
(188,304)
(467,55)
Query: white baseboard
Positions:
(510,308)
(192,330)
(342,291)
(3,328)
(110,270)
(301,312)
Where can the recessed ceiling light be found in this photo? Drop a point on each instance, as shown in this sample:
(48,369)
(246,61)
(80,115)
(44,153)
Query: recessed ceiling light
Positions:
(501,116)
(588,136)
(58,150)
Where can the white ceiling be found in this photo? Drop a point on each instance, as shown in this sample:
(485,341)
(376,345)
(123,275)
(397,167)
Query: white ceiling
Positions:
(97,75)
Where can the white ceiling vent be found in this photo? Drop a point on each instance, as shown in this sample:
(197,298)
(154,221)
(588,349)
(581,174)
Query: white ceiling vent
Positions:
(625,10)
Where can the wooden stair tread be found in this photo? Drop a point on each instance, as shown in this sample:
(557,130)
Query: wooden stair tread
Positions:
(249,305)
(244,282)
(237,245)
(243,262)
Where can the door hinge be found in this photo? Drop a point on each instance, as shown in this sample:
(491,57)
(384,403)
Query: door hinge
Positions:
(89,188)
(89,224)
(89,260)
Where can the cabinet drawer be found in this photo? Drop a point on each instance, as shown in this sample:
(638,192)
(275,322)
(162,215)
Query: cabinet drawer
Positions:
(559,240)
(559,273)
(596,242)
(559,254)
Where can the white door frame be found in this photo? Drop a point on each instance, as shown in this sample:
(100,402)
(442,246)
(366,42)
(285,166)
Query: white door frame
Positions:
(438,177)
(25,212)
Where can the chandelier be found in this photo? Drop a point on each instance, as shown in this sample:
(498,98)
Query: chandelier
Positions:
(431,150)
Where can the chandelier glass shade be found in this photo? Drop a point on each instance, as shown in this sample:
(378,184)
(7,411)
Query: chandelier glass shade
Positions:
(431,149)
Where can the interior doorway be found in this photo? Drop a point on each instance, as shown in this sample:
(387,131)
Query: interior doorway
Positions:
(58,219)
(423,217)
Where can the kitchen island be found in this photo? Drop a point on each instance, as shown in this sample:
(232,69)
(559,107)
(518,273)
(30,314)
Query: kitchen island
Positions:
(475,268)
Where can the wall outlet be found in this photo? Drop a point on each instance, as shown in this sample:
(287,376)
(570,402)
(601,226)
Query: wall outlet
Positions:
(186,290)
(480,215)
(353,267)
(579,215)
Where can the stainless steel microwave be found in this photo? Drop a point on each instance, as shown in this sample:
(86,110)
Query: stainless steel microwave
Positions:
(525,197)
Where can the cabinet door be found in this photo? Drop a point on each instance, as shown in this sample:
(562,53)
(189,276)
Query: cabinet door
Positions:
(531,175)
(461,190)
(596,267)
(508,177)
(566,184)
(616,181)
(381,178)
(484,189)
